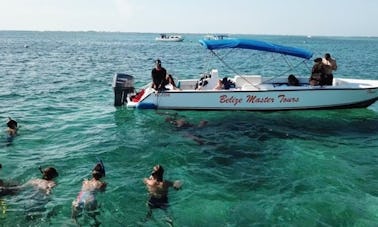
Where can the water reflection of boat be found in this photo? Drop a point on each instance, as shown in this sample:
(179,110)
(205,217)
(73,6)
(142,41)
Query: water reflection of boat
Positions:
(169,38)
(249,91)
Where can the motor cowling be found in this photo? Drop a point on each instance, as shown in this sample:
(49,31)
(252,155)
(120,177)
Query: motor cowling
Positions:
(123,84)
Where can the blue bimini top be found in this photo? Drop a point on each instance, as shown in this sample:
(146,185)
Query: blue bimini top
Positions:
(256,45)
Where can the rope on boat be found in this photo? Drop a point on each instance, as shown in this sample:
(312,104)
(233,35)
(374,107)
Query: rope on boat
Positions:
(291,68)
(232,69)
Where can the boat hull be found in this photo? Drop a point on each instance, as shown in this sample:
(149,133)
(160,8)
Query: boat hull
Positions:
(170,40)
(296,99)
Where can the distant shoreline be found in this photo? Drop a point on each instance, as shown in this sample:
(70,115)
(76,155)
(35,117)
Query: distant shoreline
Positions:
(188,33)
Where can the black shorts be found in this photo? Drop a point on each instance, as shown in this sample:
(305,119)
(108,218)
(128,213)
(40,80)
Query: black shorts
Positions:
(154,202)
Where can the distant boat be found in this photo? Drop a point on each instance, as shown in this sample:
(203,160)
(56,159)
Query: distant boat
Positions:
(169,38)
(216,37)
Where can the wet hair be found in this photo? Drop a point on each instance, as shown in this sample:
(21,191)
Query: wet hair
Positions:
(98,171)
(158,173)
(49,173)
(12,123)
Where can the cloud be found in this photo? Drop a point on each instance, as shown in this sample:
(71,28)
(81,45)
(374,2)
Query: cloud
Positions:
(124,7)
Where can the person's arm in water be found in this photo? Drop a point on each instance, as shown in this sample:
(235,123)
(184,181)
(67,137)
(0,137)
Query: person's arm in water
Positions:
(175,184)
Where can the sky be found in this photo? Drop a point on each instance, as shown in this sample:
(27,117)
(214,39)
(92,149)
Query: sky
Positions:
(267,17)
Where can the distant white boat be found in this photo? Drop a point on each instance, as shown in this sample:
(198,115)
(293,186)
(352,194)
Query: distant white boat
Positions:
(216,37)
(169,38)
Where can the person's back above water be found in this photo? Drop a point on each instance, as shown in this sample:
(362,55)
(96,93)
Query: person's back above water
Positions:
(158,189)
(86,199)
(46,184)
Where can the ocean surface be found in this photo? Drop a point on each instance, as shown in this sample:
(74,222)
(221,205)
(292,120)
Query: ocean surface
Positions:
(291,168)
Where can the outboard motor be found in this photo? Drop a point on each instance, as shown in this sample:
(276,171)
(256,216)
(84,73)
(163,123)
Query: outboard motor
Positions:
(123,84)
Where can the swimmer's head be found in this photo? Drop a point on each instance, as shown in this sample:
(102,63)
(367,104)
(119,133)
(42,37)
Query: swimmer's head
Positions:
(11,123)
(158,172)
(98,171)
(49,173)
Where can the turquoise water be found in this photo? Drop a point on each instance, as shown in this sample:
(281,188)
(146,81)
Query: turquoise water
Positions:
(294,168)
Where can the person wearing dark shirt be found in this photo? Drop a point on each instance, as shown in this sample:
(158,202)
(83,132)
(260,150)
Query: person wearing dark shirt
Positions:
(158,76)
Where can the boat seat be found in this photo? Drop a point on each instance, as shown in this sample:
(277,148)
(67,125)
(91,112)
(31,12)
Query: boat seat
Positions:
(210,82)
(249,87)
(242,80)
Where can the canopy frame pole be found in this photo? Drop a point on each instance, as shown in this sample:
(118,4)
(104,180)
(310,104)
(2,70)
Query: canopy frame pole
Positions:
(232,69)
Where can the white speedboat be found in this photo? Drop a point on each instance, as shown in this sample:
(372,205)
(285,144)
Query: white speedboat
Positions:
(248,92)
(216,36)
(169,38)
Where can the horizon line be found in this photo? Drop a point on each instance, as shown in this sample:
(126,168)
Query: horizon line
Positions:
(189,33)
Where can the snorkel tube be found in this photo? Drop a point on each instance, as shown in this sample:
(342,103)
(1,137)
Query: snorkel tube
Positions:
(40,169)
(102,166)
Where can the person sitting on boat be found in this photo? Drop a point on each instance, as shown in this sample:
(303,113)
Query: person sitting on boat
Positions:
(225,83)
(158,189)
(160,78)
(317,73)
(170,83)
(330,66)
(292,80)
(86,199)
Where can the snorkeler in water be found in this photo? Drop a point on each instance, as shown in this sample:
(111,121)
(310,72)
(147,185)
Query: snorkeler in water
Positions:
(86,199)
(12,127)
(47,183)
(11,130)
(158,190)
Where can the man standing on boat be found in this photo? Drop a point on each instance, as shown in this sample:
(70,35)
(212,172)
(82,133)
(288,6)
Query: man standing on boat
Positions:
(330,65)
